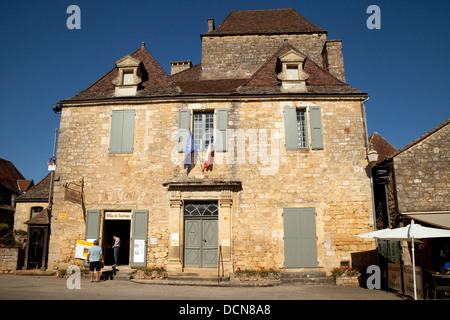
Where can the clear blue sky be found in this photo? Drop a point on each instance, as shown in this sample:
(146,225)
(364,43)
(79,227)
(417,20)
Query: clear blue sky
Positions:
(403,66)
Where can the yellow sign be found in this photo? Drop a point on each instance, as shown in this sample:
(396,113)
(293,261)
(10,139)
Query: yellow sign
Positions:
(82,249)
(62,216)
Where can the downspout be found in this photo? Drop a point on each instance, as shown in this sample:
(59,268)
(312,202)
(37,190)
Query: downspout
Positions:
(370,175)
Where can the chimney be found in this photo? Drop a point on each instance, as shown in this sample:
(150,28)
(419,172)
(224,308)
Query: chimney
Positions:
(178,66)
(333,59)
(210,25)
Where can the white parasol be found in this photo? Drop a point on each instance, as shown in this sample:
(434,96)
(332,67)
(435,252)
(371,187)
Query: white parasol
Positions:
(408,233)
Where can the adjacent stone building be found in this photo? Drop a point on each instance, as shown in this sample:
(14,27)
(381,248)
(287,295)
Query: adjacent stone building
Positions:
(287,186)
(413,183)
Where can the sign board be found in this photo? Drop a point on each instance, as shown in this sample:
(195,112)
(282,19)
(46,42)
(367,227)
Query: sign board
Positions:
(175,240)
(114,215)
(82,248)
(394,276)
(409,281)
(139,251)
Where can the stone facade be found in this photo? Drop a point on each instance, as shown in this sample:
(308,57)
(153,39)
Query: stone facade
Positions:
(422,174)
(252,182)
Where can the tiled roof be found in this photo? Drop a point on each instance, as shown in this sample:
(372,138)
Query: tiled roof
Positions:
(420,139)
(274,21)
(42,218)
(381,146)
(39,192)
(155,82)
(320,81)
(9,175)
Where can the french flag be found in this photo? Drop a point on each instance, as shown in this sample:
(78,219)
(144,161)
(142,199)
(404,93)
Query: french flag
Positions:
(208,160)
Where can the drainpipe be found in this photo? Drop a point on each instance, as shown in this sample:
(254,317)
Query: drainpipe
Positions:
(371,176)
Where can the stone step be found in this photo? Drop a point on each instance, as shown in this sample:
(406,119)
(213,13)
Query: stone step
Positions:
(122,273)
(314,277)
(190,276)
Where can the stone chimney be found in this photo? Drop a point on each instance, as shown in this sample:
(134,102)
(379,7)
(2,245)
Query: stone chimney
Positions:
(178,66)
(211,26)
(333,59)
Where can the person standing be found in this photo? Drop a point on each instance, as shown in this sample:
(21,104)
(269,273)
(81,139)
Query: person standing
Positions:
(95,260)
(116,247)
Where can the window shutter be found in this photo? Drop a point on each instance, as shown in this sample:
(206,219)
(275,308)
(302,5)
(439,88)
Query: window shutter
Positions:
(139,235)
(290,128)
(92,224)
(184,125)
(128,131)
(122,131)
(115,143)
(316,127)
(300,238)
(221,130)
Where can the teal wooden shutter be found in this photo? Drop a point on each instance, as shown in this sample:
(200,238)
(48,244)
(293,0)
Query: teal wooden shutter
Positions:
(316,128)
(93,225)
(221,130)
(139,239)
(300,239)
(122,131)
(290,128)
(184,126)
(128,131)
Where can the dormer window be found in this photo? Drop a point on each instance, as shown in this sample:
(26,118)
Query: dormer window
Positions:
(292,72)
(293,77)
(128,77)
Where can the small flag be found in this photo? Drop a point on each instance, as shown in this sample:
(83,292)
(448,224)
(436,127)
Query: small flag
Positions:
(190,147)
(208,160)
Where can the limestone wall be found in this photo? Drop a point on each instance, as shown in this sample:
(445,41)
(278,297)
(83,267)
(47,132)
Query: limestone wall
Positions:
(333,181)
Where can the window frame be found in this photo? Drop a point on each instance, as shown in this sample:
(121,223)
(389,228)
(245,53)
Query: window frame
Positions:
(207,134)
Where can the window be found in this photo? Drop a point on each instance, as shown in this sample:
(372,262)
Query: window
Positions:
(292,73)
(298,132)
(203,130)
(206,128)
(301,128)
(35,211)
(128,77)
(122,131)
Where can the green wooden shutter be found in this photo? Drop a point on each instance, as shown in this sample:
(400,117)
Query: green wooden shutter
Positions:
(122,131)
(290,128)
(93,224)
(300,240)
(221,130)
(139,239)
(128,131)
(184,126)
(316,128)
(115,142)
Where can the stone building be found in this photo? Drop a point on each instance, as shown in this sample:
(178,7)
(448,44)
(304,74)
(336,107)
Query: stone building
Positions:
(287,186)
(413,183)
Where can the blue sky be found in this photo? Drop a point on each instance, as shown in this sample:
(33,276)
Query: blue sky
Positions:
(403,66)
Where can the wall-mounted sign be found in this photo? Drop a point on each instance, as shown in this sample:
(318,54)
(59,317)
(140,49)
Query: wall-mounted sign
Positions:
(114,215)
(139,251)
(62,216)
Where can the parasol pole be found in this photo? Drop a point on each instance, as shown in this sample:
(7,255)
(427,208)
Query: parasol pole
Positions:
(413,257)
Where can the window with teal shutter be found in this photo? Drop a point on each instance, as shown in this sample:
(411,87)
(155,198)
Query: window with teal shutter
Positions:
(315,118)
(122,131)
(184,126)
(221,130)
(296,128)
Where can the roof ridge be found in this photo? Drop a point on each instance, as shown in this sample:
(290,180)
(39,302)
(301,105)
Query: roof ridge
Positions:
(421,138)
